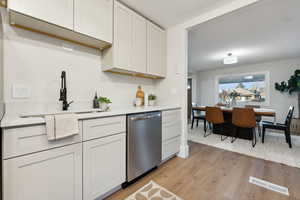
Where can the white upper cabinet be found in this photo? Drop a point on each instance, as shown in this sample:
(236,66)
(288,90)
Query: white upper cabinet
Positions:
(156,50)
(94,18)
(84,22)
(123,36)
(131,44)
(139,44)
(58,12)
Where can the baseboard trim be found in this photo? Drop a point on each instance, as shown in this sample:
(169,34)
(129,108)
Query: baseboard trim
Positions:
(184,151)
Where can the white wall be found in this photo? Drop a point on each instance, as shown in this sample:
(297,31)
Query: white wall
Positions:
(173,89)
(194,77)
(37,61)
(279,71)
(1,70)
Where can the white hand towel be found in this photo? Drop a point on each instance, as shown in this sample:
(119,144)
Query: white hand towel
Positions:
(50,127)
(66,125)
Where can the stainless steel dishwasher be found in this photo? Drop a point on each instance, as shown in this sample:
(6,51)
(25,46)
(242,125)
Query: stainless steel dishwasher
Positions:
(144,133)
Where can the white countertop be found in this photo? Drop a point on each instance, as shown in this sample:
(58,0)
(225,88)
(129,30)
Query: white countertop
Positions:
(8,122)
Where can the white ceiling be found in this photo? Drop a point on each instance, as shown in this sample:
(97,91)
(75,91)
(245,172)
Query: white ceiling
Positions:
(265,31)
(171,12)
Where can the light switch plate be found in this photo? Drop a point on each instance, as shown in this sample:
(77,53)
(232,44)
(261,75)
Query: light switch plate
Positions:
(21,91)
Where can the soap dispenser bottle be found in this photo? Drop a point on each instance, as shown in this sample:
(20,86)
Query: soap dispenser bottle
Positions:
(96,102)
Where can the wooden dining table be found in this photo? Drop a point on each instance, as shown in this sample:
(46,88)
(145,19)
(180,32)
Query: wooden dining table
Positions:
(227,111)
(264,112)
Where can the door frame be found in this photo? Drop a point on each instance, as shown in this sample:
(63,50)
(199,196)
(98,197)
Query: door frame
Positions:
(182,56)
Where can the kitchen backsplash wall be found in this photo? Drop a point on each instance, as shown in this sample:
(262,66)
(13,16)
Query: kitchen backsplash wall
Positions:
(35,61)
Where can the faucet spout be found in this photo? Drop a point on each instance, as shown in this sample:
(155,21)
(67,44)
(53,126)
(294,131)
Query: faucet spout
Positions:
(63,92)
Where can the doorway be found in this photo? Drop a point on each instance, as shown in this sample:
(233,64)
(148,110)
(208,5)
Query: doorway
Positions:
(189,99)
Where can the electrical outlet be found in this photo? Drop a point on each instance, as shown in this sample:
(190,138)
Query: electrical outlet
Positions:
(20,91)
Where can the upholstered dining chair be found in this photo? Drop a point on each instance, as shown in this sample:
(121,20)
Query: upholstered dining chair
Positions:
(282,127)
(244,118)
(196,116)
(258,118)
(214,115)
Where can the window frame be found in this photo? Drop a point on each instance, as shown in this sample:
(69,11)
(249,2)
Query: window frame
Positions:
(267,82)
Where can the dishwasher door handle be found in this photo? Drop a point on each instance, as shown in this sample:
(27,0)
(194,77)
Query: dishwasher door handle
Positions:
(139,118)
(144,118)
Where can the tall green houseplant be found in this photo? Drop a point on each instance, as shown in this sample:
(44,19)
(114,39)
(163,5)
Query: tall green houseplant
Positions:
(292,86)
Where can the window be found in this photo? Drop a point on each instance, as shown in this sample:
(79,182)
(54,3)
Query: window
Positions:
(244,88)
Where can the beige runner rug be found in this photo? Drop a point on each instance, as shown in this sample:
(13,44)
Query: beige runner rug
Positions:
(153,191)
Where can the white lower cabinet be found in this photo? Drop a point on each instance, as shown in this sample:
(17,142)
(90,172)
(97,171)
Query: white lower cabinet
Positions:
(171,131)
(84,170)
(53,174)
(104,165)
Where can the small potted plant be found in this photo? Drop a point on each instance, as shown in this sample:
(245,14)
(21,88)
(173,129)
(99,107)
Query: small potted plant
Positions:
(104,103)
(152,99)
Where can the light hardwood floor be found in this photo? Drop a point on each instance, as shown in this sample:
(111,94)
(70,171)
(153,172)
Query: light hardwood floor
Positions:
(215,174)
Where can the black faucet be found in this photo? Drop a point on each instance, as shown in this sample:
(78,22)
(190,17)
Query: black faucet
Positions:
(63,92)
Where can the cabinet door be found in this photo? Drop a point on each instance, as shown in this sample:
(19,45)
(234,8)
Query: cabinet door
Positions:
(54,174)
(94,18)
(103,165)
(122,36)
(156,50)
(59,12)
(139,44)
(170,148)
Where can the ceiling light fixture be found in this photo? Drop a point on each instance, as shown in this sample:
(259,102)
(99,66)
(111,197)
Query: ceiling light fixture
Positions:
(230,59)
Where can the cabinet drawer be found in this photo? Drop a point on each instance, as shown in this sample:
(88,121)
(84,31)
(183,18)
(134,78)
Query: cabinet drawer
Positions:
(97,128)
(55,174)
(171,116)
(25,140)
(170,147)
(171,130)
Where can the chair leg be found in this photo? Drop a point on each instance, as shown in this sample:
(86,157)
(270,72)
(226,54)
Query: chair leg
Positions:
(210,132)
(286,136)
(223,137)
(253,137)
(263,134)
(205,126)
(259,129)
(234,137)
(289,138)
(192,123)
(197,122)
